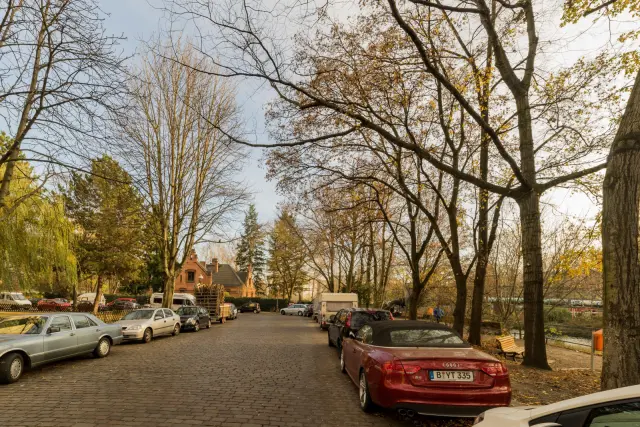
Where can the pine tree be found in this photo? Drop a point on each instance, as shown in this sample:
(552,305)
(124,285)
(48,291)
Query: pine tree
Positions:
(251,249)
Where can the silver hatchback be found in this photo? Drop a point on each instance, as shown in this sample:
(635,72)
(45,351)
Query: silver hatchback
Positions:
(143,325)
(33,339)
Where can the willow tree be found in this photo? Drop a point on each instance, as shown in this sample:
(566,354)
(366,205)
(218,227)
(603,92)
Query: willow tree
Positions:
(36,238)
(186,167)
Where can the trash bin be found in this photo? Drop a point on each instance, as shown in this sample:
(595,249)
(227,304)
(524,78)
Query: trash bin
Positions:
(598,340)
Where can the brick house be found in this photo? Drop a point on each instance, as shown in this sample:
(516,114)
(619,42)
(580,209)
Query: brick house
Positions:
(236,283)
(192,273)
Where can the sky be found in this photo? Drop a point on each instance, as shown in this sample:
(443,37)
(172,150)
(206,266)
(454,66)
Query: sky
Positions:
(137,20)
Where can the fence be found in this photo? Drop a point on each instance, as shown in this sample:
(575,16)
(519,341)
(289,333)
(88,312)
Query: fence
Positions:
(106,314)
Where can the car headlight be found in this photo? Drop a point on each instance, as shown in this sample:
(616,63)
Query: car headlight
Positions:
(190,321)
(479,419)
(134,328)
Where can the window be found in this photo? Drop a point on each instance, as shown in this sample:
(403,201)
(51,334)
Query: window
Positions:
(191,276)
(157,300)
(366,334)
(618,415)
(61,322)
(424,338)
(157,313)
(81,321)
(333,306)
(168,313)
(342,316)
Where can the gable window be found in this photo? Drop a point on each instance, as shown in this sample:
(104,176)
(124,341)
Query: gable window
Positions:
(191,276)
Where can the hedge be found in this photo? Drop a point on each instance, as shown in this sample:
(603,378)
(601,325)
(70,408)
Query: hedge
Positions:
(266,304)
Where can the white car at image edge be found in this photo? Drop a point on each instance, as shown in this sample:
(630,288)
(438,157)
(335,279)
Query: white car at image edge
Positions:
(612,408)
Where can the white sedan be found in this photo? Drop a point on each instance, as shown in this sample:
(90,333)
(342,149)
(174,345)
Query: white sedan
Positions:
(613,408)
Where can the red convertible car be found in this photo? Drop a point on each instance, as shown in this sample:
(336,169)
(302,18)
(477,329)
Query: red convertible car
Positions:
(425,368)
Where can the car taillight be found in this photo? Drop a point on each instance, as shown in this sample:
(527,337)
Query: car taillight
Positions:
(399,367)
(494,369)
(391,317)
(348,322)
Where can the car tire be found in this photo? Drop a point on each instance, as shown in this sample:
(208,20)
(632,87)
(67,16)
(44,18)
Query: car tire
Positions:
(147,336)
(366,404)
(299,313)
(329,340)
(343,367)
(11,368)
(196,327)
(282,312)
(176,330)
(208,323)
(103,348)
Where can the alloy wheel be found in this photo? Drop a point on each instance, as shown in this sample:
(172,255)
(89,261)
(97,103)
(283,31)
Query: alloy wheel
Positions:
(196,328)
(363,390)
(15,370)
(104,347)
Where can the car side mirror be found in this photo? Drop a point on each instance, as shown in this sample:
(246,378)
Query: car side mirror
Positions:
(352,335)
(53,329)
(332,318)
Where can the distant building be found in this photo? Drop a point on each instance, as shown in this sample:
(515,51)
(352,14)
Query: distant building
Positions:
(236,283)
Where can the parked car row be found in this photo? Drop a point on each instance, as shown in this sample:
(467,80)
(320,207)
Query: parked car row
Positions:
(30,340)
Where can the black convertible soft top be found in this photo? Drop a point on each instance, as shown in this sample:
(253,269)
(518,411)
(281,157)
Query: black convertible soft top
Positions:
(442,336)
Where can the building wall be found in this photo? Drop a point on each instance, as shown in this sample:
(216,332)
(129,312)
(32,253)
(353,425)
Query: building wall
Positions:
(191,274)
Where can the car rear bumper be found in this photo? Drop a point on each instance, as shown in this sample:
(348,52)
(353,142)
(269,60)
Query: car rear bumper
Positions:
(442,402)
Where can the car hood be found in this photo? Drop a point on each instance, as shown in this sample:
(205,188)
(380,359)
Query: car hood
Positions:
(134,322)
(14,338)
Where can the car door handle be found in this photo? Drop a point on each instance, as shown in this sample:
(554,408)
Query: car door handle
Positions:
(71,334)
(98,330)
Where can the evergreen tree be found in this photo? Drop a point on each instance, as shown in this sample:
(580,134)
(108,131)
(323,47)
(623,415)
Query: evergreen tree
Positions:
(109,215)
(287,257)
(251,249)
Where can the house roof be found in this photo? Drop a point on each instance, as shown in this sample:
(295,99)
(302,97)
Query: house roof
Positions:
(243,276)
(226,276)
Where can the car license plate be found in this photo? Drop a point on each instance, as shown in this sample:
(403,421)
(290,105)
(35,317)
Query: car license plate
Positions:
(454,376)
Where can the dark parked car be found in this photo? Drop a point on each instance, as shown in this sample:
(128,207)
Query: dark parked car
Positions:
(194,318)
(309,311)
(87,306)
(250,307)
(348,321)
(423,368)
(121,304)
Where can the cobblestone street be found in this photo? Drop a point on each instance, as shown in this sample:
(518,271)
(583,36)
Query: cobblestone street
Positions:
(262,369)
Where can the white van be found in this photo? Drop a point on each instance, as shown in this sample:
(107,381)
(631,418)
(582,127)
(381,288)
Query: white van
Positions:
(330,303)
(178,300)
(91,297)
(14,299)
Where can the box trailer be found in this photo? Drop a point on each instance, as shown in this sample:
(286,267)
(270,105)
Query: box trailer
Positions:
(329,303)
(211,297)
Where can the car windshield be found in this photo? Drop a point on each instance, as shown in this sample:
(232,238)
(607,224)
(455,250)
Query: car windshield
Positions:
(138,315)
(424,338)
(18,297)
(187,311)
(31,325)
(60,300)
(359,318)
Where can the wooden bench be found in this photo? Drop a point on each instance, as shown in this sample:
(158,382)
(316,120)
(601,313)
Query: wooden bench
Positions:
(507,346)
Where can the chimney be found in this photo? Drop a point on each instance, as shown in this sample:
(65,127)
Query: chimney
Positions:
(215,265)
(193,254)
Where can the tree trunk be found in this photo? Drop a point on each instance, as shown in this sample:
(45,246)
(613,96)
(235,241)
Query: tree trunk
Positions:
(475,323)
(96,302)
(169,287)
(621,267)
(461,303)
(414,300)
(534,341)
